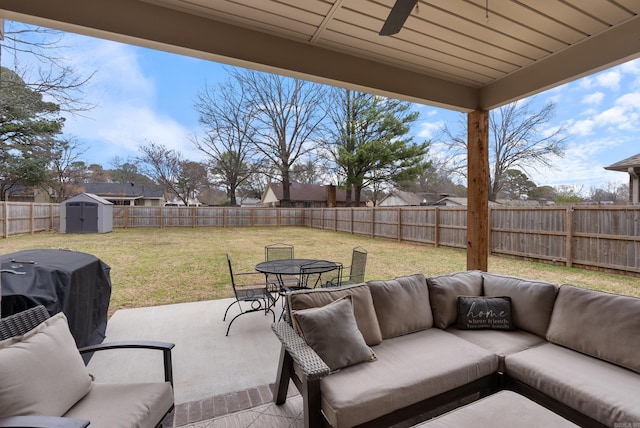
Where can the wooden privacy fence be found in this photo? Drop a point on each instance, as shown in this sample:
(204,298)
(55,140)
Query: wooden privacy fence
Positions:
(17,218)
(586,236)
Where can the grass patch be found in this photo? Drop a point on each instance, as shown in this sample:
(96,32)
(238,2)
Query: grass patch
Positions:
(162,266)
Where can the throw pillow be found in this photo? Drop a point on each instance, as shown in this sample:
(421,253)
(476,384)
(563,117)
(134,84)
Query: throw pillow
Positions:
(444,291)
(475,313)
(332,332)
(42,372)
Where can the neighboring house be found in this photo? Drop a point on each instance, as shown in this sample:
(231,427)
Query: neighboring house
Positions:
(306,196)
(399,198)
(451,201)
(524,203)
(148,195)
(19,193)
(631,166)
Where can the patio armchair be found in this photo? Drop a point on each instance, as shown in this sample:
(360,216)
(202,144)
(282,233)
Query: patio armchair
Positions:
(247,288)
(45,382)
(311,274)
(356,270)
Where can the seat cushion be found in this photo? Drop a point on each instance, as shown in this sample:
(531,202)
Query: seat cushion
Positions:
(131,405)
(596,388)
(402,305)
(409,369)
(332,332)
(362,307)
(531,301)
(504,409)
(41,372)
(444,291)
(603,325)
(501,343)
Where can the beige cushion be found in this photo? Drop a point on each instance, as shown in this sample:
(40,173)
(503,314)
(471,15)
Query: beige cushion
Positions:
(505,409)
(603,325)
(600,390)
(131,405)
(444,291)
(409,369)
(402,305)
(362,307)
(332,332)
(499,342)
(41,372)
(531,301)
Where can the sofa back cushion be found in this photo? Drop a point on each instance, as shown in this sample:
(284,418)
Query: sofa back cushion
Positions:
(363,309)
(603,325)
(41,372)
(531,301)
(444,291)
(402,305)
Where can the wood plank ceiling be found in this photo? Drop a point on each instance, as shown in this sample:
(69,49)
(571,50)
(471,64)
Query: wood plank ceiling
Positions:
(460,54)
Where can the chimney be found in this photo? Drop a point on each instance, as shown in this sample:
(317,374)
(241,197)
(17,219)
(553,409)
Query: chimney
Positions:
(331,195)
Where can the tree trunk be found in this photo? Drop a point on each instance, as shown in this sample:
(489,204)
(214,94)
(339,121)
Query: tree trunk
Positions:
(286,190)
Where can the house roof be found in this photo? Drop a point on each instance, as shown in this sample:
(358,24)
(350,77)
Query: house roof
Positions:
(625,164)
(460,201)
(458,54)
(124,190)
(412,198)
(306,192)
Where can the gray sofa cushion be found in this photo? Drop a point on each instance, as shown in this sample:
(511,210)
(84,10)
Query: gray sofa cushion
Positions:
(501,343)
(362,307)
(332,332)
(444,291)
(134,405)
(409,369)
(603,325)
(600,390)
(505,409)
(402,305)
(531,301)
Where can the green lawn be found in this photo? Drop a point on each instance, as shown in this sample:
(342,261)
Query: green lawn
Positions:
(161,266)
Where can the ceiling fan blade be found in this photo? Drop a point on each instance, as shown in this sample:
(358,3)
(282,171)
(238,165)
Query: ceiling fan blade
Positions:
(397,17)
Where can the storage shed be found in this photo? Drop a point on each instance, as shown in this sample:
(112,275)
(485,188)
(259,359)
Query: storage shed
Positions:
(86,213)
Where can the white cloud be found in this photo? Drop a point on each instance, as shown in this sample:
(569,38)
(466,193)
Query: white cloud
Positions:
(581,127)
(609,79)
(594,98)
(429,130)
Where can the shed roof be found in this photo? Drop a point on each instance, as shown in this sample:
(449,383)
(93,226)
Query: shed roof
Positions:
(84,196)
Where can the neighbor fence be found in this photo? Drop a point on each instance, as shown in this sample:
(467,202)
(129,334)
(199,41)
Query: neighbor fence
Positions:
(606,237)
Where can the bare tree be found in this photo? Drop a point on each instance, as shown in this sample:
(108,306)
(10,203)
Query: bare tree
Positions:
(67,169)
(518,139)
(36,58)
(227,116)
(288,119)
(181,177)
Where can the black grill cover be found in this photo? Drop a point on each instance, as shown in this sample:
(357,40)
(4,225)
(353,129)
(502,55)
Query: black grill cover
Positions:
(77,284)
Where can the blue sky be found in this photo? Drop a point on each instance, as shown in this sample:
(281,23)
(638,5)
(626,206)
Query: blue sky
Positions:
(142,96)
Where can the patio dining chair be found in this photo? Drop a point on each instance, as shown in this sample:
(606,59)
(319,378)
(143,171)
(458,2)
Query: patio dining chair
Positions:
(312,274)
(279,251)
(356,270)
(249,288)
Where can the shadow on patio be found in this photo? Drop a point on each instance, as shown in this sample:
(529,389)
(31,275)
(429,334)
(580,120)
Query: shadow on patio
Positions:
(215,376)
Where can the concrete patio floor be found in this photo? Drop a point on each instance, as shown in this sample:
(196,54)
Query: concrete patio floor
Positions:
(215,376)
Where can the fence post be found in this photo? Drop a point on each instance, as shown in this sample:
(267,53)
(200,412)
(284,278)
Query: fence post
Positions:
(51,217)
(125,216)
(399,224)
(352,220)
(436,231)
(5,232)
(569,229)
(373,223)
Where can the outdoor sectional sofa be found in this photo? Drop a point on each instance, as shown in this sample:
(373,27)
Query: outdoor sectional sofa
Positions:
(392,350)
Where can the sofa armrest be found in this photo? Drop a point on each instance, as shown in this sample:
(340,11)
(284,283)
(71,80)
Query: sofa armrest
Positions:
(42,422)
(161,346)
(304,356)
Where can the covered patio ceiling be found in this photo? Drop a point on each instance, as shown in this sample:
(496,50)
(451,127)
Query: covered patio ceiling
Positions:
(459,54)
(466,55)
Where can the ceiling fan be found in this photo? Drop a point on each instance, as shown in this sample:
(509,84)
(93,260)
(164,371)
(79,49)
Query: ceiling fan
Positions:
(397,17)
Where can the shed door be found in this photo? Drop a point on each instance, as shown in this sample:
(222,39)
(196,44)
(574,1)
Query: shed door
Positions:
(82,217)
